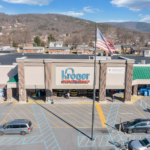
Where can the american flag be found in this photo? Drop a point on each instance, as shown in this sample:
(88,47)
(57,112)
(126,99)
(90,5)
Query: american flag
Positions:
(104,43)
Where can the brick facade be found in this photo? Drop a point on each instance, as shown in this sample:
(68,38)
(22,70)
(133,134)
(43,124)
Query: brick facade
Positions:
(48,68)
(32,51)
(135,89)
(128,82)
(102,83)
(9,94)
(59,51)
(21,77)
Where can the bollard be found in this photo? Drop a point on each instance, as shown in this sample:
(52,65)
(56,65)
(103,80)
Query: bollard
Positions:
(120,125)
(113,98)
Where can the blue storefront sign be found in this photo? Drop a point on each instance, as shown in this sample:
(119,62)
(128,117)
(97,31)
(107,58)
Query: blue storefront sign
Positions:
(82,78)
(73,76)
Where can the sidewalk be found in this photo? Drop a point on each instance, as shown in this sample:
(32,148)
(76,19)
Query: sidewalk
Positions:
(73,100)
(2,99)
(87,100)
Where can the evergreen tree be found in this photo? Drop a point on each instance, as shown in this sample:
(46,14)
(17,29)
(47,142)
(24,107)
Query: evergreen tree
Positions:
(51,38)
(15,44)
(0,29)
(37,40)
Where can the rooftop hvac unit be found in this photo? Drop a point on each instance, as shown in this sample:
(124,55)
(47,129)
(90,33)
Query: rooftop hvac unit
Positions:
(143,61)
(146,53)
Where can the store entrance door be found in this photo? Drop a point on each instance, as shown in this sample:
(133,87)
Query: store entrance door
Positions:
(37,95)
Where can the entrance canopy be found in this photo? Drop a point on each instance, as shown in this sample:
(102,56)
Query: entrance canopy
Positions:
(13,82)
(141,75)
(14,79)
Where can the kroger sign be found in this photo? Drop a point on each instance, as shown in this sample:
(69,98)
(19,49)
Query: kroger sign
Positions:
(73,76)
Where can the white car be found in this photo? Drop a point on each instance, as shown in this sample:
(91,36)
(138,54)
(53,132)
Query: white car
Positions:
(140,144)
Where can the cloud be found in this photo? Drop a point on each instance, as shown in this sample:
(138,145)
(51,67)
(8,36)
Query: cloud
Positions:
(30,2)
(140,15)
(1,6)
(72,13)
(134,5)
(118,20)
(98,9)
(115,21)
(145,18)
(89,9)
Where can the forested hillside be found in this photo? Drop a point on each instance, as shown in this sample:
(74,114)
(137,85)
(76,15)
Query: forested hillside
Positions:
(22,28)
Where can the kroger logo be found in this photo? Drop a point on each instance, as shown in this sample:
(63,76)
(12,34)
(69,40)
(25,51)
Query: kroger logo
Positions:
(66,75)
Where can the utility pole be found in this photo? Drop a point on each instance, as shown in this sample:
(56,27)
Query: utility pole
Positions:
(93,109)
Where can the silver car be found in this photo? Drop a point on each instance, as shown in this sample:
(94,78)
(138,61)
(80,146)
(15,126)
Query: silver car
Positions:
(140,144)
(18,126)
(136,125)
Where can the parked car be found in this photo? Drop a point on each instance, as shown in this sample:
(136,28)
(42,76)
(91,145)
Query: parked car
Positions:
(140,144)
(137,125)
(116,53)
(18,126)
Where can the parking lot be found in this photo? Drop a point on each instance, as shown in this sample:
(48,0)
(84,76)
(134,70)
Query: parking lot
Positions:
(68,126)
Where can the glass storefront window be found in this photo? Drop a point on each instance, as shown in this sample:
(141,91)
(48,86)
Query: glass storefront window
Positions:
(89,93)
(74,93)
(60,93)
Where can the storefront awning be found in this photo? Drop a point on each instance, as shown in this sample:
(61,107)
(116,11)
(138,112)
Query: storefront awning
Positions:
(141,73)
(14,79)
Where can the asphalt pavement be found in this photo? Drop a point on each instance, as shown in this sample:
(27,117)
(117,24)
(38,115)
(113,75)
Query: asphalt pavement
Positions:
(68,126)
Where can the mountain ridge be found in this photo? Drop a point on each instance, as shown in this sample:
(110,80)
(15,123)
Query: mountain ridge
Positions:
(138,26)
(57,24)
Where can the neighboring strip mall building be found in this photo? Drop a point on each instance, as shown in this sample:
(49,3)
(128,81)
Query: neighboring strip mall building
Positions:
(21,74)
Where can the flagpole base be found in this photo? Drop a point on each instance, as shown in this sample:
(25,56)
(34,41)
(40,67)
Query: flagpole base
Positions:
(92,139)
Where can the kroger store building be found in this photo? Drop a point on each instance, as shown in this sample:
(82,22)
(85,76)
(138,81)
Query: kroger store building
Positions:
(21,76)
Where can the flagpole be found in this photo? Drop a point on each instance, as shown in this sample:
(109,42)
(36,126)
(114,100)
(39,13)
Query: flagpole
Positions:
(93,109)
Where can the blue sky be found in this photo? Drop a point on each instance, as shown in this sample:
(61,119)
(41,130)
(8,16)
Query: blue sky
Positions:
(94,10)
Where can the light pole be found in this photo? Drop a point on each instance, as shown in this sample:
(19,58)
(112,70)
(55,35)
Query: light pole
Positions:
(93,109)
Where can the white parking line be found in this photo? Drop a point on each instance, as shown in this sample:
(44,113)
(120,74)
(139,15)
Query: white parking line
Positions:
(94,113)
(66,113)
(144,105)
(126,113)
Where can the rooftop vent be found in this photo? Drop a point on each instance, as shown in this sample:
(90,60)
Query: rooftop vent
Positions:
(146,53)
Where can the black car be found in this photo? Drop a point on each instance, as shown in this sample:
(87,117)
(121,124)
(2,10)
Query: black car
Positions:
(136,125)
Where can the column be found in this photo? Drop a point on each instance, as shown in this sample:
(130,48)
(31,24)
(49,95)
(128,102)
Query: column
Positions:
(48,80)
(102,82)
(128,82)
(135,87)
(9,94)
(21,79)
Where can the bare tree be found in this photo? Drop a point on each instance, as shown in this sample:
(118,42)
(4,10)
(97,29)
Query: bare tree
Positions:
(76,40)
(86,37)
